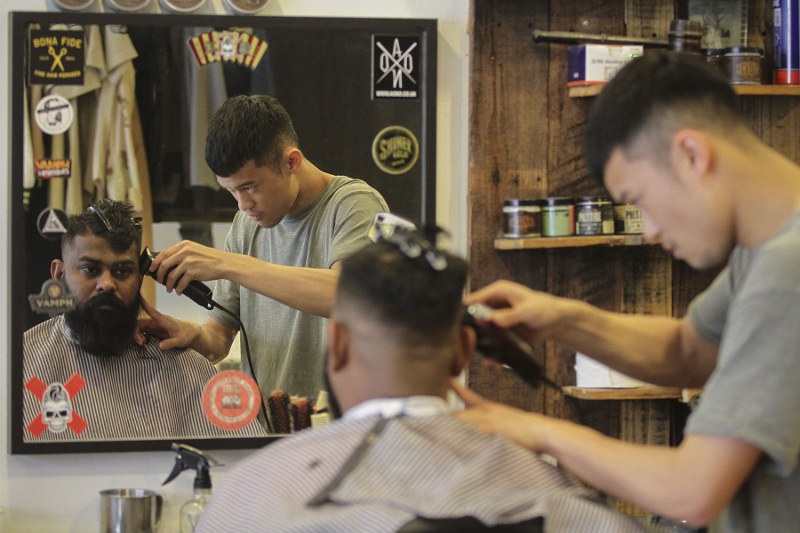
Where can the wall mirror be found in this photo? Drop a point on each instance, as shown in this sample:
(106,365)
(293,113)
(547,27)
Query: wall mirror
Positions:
(361,93)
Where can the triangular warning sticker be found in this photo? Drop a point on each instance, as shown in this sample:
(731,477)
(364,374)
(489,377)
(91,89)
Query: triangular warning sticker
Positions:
(53,224)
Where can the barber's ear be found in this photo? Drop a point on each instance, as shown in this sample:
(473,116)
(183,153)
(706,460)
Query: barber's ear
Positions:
(467,340)
(57,269)
(692,154)
(338,346)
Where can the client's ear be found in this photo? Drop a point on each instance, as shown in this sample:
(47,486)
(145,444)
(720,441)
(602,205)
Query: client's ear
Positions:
(465,348)
(338,345)
(57,269)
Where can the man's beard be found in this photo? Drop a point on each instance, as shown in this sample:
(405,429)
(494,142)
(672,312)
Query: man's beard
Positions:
(103,332)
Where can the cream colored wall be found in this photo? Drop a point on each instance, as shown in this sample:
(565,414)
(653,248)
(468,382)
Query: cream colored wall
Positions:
(58,493)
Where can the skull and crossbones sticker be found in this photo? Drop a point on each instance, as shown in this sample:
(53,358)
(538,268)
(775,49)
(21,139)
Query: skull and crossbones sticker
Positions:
(57,412)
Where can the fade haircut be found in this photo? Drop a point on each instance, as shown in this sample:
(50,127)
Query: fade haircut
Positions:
(246,128)
(407,295)
(652,98)
(125,229)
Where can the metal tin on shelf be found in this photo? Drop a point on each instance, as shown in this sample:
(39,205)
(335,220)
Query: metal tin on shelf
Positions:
(182,6)
(594,215)
(628,220)
(245,7)
(743,64)
(522,218)
(558,217)
(127,6)
(73,5)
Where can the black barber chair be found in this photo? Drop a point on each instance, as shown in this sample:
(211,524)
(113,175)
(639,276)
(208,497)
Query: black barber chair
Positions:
(469,524)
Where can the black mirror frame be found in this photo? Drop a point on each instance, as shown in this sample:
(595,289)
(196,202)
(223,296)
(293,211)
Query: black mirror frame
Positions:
(18,24)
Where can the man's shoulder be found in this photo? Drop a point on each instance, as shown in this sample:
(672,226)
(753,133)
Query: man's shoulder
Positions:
(772,266)
(343,187)
(41,333)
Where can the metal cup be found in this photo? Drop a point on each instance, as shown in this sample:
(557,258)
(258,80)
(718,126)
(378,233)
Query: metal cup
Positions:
(130,511)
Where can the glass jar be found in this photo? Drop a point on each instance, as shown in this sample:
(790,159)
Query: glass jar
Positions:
(558,217)
(522,218)
(594,215)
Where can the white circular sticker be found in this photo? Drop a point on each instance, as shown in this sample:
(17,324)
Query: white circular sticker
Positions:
(54,114)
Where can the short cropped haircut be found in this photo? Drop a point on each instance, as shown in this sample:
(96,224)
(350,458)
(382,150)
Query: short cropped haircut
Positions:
(653,97)
(125,229)
(405,294)
(247,128)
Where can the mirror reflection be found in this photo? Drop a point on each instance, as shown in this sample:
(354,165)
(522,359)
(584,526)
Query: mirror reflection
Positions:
(139,174)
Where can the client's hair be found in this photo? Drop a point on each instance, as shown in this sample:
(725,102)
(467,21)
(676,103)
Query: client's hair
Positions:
(405,293)
(125,228)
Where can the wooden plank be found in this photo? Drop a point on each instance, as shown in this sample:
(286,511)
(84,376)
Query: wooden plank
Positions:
(508,155)
(743,90)
(649,18)
(634,393)
(532,243)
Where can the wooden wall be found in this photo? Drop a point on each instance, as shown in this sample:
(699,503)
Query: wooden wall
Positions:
(526,139)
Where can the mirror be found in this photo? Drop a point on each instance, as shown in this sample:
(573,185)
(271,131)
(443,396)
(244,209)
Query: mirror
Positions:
(349,85)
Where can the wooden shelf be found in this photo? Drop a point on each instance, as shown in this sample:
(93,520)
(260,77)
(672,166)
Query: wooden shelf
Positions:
(636,393)
(528,243)
(744,90)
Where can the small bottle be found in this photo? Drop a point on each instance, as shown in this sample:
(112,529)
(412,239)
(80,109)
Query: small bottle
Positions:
(192,510)
(192,458)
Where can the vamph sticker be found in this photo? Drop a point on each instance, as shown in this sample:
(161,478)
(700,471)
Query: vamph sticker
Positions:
(54,298)
(395,67)
(45,169)
(54,114)
(232,46)
(395,150)
(231,400)
(57,413)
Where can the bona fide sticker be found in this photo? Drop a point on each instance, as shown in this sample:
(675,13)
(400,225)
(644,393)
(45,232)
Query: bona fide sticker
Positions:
(231,400)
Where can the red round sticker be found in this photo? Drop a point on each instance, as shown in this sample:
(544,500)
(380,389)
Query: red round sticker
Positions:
(231,400)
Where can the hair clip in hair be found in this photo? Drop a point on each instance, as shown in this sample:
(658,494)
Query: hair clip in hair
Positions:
(96,210)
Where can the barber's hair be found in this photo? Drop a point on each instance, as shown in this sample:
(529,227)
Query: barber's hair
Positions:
(405,294)
(246,128)
(125,229)
(653,97)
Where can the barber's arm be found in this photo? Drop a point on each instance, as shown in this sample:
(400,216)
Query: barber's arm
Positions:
(310,290)
(212,339)
(659,350)
(691,482)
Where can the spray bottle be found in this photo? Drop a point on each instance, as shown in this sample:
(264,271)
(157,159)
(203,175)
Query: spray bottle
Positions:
(192,458)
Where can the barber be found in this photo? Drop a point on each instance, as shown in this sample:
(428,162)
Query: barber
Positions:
(280,264)
(667,135)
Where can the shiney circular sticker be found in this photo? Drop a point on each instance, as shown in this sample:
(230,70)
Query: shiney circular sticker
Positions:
(231,400)
(395,150)
(54,114)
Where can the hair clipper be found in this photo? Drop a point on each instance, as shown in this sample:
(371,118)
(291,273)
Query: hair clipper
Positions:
(503,346)
(197,291)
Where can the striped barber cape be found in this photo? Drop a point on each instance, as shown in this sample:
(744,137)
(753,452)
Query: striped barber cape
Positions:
(430,465)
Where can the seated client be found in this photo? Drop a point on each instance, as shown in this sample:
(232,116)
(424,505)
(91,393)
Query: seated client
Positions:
(85,377)
(395,340)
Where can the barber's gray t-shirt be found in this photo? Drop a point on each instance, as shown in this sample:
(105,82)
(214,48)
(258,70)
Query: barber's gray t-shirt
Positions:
(752,312)
(287,346)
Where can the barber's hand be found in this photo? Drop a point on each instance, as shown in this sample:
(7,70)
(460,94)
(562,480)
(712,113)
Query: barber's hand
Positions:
(496,418)
(176,333)
(529,313)
(191,261)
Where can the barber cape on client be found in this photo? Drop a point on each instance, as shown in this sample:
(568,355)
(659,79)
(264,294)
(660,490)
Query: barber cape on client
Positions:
(395,340)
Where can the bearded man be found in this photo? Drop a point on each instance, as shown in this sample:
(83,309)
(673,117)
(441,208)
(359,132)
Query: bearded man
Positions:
(117,388)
